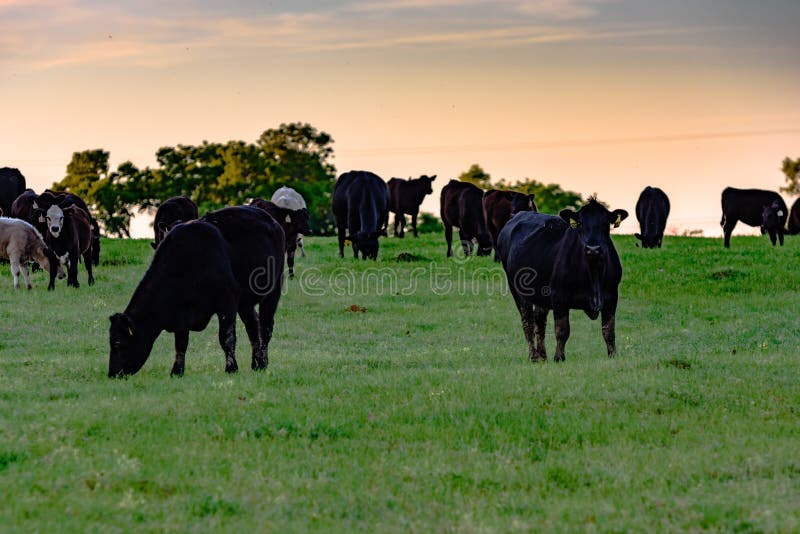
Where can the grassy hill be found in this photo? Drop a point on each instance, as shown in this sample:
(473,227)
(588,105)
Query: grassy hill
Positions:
(399,397)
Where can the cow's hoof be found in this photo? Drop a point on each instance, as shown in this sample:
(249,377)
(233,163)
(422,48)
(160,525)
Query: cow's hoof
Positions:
(91,281)
(231,368)
(259,364)
(177,371)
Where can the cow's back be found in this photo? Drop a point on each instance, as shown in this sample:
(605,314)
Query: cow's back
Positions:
(12,185)
(747,205)
(361,196)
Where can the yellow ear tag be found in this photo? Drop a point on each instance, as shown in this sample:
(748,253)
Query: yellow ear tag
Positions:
(618,221)
(347,242)
(573,223)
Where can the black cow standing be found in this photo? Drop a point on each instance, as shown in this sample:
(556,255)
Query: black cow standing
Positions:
(23,208)
(172,211)
(562,263)
(12,185)
(361,209)
(498,208)
(793,226)
(754,207)
(293,223)
(652,210)
(462,206)
(227,262)
(405,198)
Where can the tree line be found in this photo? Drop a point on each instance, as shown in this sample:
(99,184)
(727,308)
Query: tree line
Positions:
(297,155)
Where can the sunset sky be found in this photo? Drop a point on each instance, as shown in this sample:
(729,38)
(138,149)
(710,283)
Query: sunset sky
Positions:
(603,96)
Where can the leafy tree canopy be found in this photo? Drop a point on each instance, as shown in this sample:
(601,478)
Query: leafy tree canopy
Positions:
(791,169)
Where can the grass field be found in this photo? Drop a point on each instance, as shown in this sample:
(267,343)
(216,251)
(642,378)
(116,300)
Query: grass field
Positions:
(399,397)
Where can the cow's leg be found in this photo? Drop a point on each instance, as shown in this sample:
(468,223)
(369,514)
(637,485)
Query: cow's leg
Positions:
(540,323)
(290,263)
(300,246)
(780,235)
(402,217)
(342,234)
(72,271)
(227,339)
(448,236)
(414,224)
(23,267)
(728,230)
(250,320)
(562,333)
(181,344)
(87,260)
(15,271)
(266,323)
(609,330)
(772,237)
(466,244)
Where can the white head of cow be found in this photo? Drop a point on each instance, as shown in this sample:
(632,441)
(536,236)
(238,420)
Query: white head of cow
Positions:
(55,220)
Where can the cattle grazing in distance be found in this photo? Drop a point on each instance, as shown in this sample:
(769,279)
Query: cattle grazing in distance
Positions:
(793,225)
(172,211)
(293,222)
(69,235)
(754,207)
(361,210)
(652,210)
(12,185)
(189,280)
(562,263)
(405,198)
(21,242)
(462,207)
(288,198)
(498,208)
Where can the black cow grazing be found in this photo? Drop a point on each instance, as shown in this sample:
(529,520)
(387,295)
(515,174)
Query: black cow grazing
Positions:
(189,280)
(462,206)
(361,209)
(754,207)
(12,185)
(652,210)
(562,263)
(293,222)
(498,208)
(172,211)
(69,235)
(257,245)
(405,198)
(65,200)
(793,227)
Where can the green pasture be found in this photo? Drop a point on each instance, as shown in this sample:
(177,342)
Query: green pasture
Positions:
(399,398)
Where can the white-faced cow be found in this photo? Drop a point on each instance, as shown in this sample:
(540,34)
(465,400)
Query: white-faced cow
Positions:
(20,243)
(69,235)
(498,208)
(361,209)
(754,207)
(288,198)
(562,263)
(405,198)
(462,206)
(172,211)
(652,210)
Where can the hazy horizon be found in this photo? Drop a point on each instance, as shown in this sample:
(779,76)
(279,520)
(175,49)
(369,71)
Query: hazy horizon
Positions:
(599,96)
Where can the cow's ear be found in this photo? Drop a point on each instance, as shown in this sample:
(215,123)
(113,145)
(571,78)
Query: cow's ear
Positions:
(433,177)
(59,198)
(570,217)
(163,228)
(616,217)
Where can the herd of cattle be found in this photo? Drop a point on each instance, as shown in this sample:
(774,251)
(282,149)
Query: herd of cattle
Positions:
(230,261)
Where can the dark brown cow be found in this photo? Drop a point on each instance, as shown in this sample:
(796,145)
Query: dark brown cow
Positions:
(65,200)
(498,208)
(405,198)
(462,206)
(172,211)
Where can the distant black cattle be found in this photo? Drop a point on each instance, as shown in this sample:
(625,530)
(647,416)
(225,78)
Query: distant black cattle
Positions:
(562,263)
(652,210)
(754,207)
(498,208)
(229,261)
(189,280)
(12,185)
(405,198)
(23,208)
(65,200)
(361,209)
(69,235)
(794,218)
(462,207)
(293,222)
(172,211)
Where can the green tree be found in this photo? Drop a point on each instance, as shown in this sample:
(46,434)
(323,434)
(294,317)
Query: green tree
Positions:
(791,169)
(476,175)
(550,198)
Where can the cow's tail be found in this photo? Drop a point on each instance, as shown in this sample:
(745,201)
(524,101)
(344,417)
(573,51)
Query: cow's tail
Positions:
(722,222)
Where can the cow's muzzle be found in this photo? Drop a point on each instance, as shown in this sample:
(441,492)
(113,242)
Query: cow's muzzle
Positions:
(594,251)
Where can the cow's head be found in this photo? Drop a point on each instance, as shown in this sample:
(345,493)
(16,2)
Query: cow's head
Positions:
(428,183)
(773,216)
(522,202)
(163,229)
(126,356)
(54,216)
(593,223)
(300,218)
(367,243)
